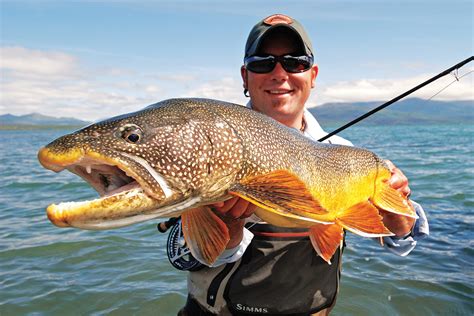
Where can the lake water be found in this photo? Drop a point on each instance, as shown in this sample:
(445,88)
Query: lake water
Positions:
(53,271)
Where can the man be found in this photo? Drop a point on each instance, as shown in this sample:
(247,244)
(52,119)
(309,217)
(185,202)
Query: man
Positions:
(268,269)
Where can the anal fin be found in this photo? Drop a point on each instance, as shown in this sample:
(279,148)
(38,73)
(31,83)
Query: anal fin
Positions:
(326,239)
(205,233)
(363,219)
(390,200)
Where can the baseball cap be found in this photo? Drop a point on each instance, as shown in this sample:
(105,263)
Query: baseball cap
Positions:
(262,28)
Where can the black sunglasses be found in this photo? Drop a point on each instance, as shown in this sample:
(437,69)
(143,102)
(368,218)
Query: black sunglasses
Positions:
(265,64)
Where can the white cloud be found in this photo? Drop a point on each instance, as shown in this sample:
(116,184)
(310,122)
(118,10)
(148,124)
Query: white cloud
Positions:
(226,89)
(23,62)
(58,84)
(387,89)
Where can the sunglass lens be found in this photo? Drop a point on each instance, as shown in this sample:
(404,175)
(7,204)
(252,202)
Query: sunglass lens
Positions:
(296,64)
(261,65)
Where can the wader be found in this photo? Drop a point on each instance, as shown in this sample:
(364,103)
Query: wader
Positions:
(280,273)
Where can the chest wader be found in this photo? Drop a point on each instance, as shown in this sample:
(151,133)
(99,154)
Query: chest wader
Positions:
(279,274)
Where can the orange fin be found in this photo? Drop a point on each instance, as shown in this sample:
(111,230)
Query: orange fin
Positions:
(326,239)
(280,191)
(390,200)
(363,219)
(205,233)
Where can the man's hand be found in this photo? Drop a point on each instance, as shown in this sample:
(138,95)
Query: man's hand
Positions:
(235,208)
(233,212)
(399,225)
(398,181)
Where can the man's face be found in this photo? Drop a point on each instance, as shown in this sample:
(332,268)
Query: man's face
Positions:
(280,94)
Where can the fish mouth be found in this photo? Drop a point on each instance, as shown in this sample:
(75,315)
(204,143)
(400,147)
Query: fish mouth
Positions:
(106,176)
(106,179)
(124,196)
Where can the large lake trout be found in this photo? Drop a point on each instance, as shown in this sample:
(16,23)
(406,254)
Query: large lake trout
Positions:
(176,156)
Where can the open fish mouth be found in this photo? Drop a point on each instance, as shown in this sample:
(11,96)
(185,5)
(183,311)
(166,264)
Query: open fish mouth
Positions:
(123,197)
(104,178)
(105,175)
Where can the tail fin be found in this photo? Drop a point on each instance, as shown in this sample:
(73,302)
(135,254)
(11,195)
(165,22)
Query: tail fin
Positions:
(363,219)
(392,201)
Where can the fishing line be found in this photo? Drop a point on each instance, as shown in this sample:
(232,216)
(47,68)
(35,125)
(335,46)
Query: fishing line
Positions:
(401,96)
(457,79)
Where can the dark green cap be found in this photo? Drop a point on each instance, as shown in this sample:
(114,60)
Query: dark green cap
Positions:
(259,31)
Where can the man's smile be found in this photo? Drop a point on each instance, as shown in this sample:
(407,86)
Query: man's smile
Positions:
(279,91)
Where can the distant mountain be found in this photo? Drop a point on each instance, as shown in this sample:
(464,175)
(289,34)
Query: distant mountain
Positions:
(36,119)
(409,111)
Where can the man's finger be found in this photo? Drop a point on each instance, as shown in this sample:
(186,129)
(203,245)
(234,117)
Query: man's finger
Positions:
(218,204)
(397,180)
(227,205)
(250,210)
(390,165)
(239,208)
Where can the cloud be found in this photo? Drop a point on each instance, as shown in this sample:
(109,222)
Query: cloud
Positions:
(23,62)
(444,89)
(227,89)
(59,84)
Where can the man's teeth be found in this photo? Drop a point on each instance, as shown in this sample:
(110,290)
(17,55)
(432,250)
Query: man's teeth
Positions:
(278,91)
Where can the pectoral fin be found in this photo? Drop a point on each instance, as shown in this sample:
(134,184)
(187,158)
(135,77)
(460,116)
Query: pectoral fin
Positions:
(326,239)
(364,220)
(205,233)
(392,201)
(279,191)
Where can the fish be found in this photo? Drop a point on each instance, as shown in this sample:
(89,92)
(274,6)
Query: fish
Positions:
(178,156)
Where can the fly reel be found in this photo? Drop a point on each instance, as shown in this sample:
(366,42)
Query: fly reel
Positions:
(178,252)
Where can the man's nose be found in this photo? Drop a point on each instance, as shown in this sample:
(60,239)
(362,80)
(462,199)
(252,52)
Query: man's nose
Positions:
(279,73)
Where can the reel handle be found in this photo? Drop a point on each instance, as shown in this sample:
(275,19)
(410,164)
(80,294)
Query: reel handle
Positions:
(164,226)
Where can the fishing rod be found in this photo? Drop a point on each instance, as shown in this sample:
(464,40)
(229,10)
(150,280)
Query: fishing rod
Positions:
(401,96)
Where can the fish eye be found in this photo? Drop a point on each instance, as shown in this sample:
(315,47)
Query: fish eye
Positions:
(130,133)
(133,138)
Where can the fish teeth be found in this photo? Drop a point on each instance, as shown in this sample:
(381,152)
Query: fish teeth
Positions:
(88,169)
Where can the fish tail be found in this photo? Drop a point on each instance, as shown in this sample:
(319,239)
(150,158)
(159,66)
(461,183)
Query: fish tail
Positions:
(363,219)
(390,200)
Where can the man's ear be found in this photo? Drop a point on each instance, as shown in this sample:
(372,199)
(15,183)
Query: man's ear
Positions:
(243,73)
(314,74)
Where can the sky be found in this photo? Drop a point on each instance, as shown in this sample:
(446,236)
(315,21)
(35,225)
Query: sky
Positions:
(96,59)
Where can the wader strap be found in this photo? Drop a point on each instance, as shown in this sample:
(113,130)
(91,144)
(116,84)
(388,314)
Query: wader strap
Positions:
(279,233)
(282,235)
(216,283)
